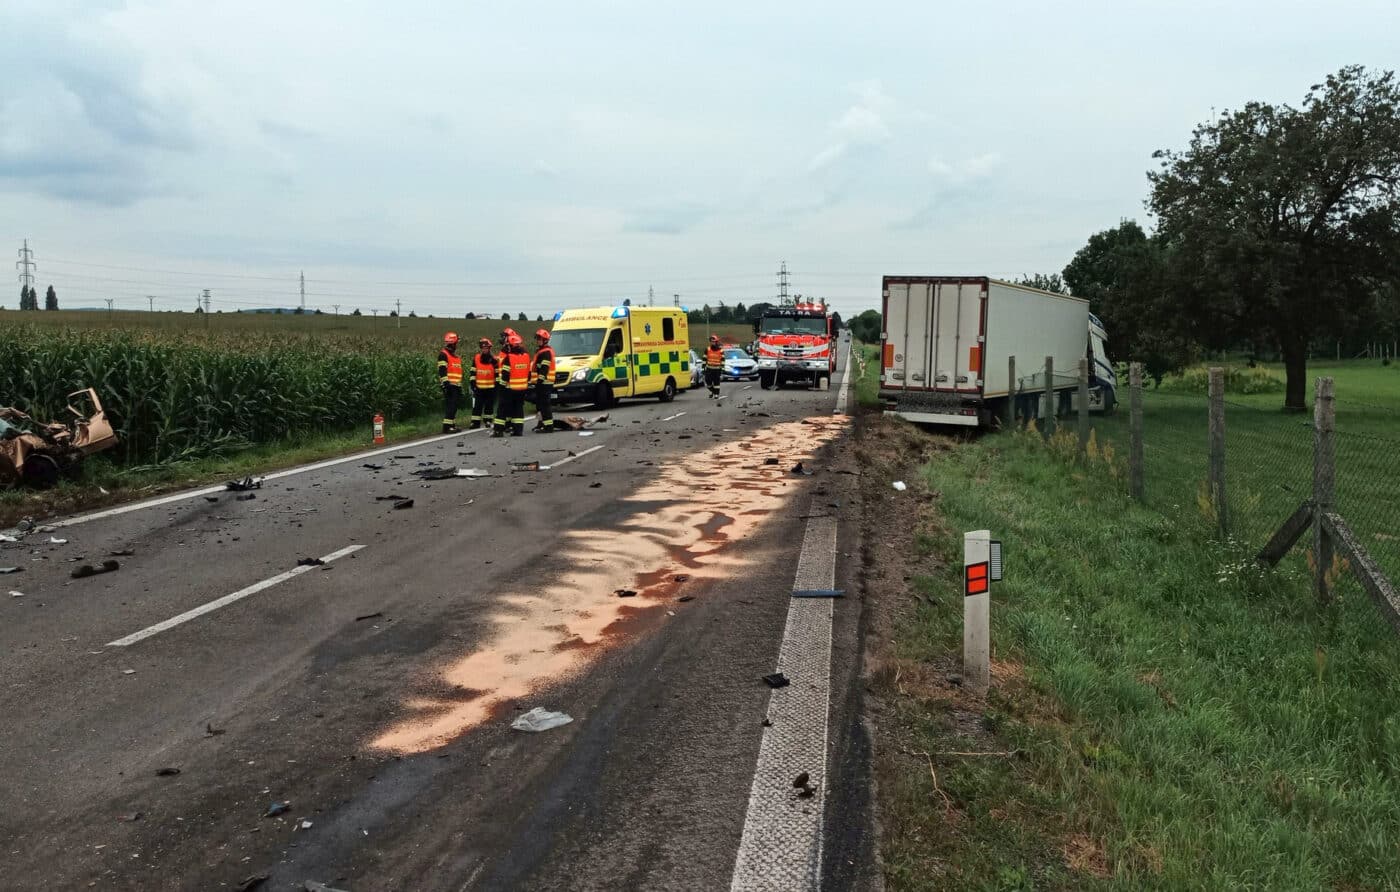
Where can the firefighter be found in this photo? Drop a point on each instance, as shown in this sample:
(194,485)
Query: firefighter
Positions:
(511,382)
(714,366)
(542,373)
(450,376)
(484,368)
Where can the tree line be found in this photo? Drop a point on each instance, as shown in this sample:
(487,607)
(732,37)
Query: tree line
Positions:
(29,298)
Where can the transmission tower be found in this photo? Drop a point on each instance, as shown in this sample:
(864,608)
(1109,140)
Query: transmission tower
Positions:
(783,299)
(651,296)
(26,266)
(303,290)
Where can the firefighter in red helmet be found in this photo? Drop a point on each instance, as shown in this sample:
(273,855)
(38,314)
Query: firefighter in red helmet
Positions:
(484,368)
(450,377)
(512,382)
(542,374)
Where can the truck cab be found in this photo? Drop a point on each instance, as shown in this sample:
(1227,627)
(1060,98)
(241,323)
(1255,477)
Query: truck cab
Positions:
(795,344)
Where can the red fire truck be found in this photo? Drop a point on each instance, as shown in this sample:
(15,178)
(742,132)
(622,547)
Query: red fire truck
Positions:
(796,343)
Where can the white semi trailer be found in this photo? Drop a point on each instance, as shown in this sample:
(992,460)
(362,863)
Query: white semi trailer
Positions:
(945,342)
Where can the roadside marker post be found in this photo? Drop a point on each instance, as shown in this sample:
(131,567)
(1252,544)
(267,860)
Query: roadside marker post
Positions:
(981,565)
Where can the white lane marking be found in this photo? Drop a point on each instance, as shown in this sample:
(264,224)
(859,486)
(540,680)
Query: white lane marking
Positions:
(781,848)
(673,417)
(746,387)
(226,600)
(844,396)
(566,460)
(276,475)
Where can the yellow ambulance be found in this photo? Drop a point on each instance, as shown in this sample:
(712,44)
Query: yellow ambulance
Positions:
(603,354)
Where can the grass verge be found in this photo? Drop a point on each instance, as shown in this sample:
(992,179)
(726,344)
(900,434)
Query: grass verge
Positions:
(102,482)
(1164,714)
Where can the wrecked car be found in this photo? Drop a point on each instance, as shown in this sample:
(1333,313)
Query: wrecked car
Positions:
(34,453)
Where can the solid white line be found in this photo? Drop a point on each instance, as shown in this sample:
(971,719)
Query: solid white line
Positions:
(781,847)
(843,398)
(566,460)
(276,475)
(673,417)
(227,599)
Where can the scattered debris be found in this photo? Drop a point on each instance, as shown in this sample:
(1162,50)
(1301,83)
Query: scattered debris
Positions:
(310,562)
(123,552)
(406,503)
(684,598)
(25,525)
(681,577)
(375,615)
(54,540)
(594,485)
(313,886)
(802,780)
(5,538)
(799,469)
(244,485)
(767,723)
(4,570)
(15,594)
(540,719)
(770,461)
(372,467)
(683,436)
(393,498)
(130,817)
(211,498)
(246,497)
(128,672)
(524,466)
(277,808)
(305,825)
(167,772)
(776,680)
(211,731)
(249,883)
(899,485)
(625,593)
(87,570)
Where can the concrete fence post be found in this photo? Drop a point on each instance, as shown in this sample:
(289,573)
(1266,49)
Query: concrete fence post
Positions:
(1083,397)
(1012,392)
(1048,411)
(1216,478)
(1324,484)
(1135,468)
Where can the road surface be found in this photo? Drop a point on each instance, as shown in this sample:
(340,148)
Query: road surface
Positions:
(374,693)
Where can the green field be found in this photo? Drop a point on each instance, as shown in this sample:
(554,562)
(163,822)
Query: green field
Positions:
(1165,715)
(1269,453)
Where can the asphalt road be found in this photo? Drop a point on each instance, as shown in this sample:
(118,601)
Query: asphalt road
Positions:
(375,693)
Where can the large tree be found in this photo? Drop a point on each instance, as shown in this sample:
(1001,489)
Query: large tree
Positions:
(1052,283)
(1283,222)
(51,299)
(1123,273)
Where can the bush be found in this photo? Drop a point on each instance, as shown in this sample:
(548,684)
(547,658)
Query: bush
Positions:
(1238,379)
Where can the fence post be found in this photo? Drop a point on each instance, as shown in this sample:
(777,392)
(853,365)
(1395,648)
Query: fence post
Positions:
(1216,480)
(1324,484)
(1135,468)
(1083,409)
(1049,410)
(1011,392)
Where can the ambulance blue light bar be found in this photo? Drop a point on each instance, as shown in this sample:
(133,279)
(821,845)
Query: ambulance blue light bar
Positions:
(620,313)
(559,315)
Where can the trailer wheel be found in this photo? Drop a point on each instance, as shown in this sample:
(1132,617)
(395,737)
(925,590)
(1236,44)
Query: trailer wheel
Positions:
(765,380)
(668,392)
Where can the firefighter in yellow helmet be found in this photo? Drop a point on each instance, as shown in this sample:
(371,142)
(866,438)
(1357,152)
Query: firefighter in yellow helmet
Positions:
(542,374)
(450,376)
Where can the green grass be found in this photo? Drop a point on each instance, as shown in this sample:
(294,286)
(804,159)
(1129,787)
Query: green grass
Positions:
(1269,453)
(867,368)
(1196,719)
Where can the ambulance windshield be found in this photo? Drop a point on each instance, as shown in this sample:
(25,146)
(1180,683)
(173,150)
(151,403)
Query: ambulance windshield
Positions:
(577,341)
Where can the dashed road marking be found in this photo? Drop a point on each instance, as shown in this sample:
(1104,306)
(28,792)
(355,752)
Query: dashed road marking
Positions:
(567,459)
(781,847)
(227,600)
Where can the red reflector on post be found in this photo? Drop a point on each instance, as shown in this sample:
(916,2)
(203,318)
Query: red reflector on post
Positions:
(978,580)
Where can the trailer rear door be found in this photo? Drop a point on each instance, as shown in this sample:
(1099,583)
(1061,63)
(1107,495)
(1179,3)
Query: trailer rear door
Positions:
(957,347)
(908,335)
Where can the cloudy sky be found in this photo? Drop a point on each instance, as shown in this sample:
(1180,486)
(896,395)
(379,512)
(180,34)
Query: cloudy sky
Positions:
(535,155)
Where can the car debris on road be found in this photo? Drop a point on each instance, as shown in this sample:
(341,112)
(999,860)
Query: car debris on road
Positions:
(37,454)
(243,485)
(540,719)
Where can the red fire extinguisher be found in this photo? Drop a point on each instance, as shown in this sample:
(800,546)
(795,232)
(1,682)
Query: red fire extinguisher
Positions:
(378,429)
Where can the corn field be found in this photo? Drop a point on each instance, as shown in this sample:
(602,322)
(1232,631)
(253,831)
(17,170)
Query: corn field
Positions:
(173,396)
